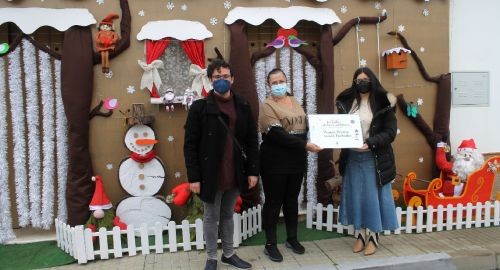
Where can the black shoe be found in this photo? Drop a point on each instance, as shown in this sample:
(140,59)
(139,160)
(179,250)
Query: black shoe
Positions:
(295,246)
(235,261)
(273,253)
(211,265)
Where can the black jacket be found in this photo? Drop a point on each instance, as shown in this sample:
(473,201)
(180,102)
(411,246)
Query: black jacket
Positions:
(205,138)
(382,132)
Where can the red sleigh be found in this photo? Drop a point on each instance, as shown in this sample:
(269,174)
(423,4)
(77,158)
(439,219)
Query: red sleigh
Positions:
(478,188)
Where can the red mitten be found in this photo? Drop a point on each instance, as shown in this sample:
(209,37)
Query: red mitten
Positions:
(237,205)
(181,194)
(117,222)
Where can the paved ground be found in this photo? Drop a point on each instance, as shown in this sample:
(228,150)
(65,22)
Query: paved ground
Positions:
(459,249)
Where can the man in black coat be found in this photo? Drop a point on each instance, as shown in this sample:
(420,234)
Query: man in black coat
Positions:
(221,156)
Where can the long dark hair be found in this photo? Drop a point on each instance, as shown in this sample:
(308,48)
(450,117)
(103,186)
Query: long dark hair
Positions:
(376,89)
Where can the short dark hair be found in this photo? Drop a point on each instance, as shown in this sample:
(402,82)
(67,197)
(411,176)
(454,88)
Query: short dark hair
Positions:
(275,71)
(217,64)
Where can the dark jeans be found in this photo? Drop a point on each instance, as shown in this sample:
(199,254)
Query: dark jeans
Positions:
(280,190)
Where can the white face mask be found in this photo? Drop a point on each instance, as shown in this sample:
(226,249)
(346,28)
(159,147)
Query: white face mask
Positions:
(279,90)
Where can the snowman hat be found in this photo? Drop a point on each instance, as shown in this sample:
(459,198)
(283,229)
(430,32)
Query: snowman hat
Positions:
(100,199)
(467,145)
(108,20)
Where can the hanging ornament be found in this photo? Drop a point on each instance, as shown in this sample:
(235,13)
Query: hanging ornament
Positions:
(396,58)
(99,2)
(141,13)
(426,12)
(111,103)
(184,7)
(170,5)
(343,9)
(227,4)
(130,89)
(4,48)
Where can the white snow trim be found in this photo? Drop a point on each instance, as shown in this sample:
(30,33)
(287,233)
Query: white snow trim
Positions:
(30,19)
(178,29)
(395,50)
(285,17)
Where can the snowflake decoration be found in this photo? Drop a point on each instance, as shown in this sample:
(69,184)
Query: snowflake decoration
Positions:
(421,159)
(213,21)
(109,166)
(108,74)
(420,101)
(177,174)
(100,2)
(141,13)
(227,4)
(378,5)
(343,9)
(395,73)
(426,12)
(422,49)
(401,28)
(398,131)
(170,138)
(170,5)
(362,62)
(184,7)
(362,39)
(131,89)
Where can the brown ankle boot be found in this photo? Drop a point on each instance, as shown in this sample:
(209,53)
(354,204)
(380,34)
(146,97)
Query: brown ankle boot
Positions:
(359,245)
(372,244)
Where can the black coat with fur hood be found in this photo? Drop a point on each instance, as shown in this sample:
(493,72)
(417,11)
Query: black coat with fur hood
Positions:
(382,132)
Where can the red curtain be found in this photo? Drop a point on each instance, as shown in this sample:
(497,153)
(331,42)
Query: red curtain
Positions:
(154,49)
(195,50)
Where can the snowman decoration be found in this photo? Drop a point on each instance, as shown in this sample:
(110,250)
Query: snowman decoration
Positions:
(142,175)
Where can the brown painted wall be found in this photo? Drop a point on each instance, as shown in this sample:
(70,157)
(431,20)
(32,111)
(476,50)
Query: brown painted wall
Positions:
(107,134)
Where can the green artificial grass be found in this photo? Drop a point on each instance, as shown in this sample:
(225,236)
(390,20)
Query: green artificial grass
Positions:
(33,256)
(304,234)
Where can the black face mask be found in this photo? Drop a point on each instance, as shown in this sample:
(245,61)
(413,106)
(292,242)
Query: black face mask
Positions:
(363,87)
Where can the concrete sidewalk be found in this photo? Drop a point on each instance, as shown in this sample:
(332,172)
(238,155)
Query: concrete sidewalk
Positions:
(458,249)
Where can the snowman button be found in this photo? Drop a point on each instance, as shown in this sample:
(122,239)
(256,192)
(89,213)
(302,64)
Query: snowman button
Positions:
(141,176)
(141,165)
(142,187)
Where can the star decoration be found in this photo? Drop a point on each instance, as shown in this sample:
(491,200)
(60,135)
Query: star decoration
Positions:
(108,74)
(362,39)
(421,159)
(227,4)
(420,101)
(170,5)
(170,138)
(109,166)
(395,73)
(362,62)
(343,9)
(100,2)
(177,174)
(141,13)
(184,7)
(378,5)
(398,131)
(401,28)
(213,21)
(426,12)
(422,49)
(130,89)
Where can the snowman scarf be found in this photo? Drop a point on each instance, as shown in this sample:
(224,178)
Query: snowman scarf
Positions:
(143,158)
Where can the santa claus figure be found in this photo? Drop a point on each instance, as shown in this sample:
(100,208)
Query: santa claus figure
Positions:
(106,39)
(455,173)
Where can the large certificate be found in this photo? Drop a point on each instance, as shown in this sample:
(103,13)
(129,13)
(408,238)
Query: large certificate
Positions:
(335,130)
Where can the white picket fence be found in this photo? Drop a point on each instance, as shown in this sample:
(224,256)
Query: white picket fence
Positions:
(415,220)
(77,241)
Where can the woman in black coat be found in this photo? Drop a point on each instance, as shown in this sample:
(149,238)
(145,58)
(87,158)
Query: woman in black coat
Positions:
(367,201)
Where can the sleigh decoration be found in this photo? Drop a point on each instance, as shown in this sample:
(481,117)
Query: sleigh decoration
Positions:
(478,188)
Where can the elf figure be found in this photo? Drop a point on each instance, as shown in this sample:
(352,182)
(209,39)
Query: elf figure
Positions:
(103,213)
(106,39)
(454,174)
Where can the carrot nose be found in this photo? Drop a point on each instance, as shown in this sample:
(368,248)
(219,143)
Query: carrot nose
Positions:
(145,141)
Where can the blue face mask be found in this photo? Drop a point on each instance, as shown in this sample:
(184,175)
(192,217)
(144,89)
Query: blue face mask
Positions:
(221,86)
(279,90)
